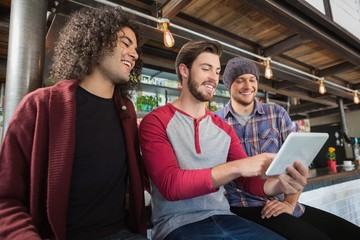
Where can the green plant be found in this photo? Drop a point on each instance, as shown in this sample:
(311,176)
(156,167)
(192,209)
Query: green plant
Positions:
(147,103)
(331,155)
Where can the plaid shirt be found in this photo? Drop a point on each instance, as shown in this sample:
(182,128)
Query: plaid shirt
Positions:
(265,131)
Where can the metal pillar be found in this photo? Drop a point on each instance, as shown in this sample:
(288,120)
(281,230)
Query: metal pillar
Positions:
(25,52)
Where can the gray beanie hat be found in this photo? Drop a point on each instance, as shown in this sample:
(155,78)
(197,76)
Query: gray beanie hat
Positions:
(236,67)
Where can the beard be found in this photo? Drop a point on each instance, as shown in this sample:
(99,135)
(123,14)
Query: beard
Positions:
(194,90)
(242,102)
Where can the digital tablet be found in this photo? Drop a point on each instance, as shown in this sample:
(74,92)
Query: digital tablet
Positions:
(301,146)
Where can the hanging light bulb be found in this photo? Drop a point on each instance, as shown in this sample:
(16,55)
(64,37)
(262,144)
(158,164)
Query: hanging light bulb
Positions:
(168,37)
(356,97)
(268,70)
(322,89)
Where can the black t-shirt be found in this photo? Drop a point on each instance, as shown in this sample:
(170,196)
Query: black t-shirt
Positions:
(99,175)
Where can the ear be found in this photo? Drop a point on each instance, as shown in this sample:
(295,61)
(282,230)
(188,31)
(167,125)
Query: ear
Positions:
(184,71)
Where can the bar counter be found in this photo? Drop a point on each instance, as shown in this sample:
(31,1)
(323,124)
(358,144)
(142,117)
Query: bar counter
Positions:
(322,177)
(335,192)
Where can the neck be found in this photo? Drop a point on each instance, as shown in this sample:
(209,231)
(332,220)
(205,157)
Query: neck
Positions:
(98,86)
(241,108)
(190,105)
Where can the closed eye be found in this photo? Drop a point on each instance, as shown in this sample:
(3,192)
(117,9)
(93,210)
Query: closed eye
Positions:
(125,43)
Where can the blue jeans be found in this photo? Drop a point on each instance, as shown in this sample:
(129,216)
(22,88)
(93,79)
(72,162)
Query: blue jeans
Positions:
(229,227)
(124,235)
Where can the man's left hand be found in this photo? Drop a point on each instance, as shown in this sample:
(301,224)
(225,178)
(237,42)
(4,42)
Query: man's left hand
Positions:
(274,208)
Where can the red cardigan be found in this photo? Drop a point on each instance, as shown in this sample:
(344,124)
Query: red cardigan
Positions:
(36,163)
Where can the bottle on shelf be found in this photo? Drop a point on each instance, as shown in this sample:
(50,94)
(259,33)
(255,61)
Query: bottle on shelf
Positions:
(356,150)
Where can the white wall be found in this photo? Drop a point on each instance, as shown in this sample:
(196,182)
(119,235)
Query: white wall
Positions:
(328,119)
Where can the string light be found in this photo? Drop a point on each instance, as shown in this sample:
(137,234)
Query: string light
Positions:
(168,37)
(356,97)
(322,89)
(231,46)
(268,70)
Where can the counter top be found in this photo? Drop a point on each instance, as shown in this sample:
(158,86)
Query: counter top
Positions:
(323,177)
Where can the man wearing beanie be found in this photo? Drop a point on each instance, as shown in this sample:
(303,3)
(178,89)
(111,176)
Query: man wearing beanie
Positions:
(263,127)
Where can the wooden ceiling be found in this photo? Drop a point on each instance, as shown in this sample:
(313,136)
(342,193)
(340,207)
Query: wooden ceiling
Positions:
(291,32)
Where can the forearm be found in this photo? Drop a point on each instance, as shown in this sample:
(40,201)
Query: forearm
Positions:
(292,199)
(244,169)
(271,187)
(225,173)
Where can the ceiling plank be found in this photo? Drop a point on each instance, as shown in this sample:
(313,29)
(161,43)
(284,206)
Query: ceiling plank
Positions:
(215,32)
(173,7)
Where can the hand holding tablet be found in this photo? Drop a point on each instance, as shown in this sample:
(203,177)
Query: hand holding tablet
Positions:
(298,146)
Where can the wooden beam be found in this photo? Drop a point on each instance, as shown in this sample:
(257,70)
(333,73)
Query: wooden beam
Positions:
(5,3)
(285,45)
(310,84)
(330,103)
(356,86)
(150,59)
(2,70)
(342,67)
(328,12)
(316,17)
(285,14)
(306,108)
(173,7)
(152,33)
(282,84)
(146,49)
(324,112)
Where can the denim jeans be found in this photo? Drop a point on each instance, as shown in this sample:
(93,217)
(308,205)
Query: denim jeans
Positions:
(124,235)
(225,227)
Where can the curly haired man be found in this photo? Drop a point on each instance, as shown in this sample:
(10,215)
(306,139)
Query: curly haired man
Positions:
(70,162)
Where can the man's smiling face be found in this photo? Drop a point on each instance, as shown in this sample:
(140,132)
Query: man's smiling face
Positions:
(244,89)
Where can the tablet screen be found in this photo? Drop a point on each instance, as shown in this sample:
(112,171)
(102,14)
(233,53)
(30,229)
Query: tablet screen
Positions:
(299,146)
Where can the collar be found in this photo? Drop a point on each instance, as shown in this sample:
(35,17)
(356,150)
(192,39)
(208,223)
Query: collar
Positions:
(259,109)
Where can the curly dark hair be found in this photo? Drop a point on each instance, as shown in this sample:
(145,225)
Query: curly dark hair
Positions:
(89,36)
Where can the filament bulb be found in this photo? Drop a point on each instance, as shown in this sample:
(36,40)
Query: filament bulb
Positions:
(356,98)
(322,89)
(268,70)
(168,38)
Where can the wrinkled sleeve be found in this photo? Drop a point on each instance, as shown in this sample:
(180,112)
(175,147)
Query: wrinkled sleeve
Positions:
(162,167)
(15,221)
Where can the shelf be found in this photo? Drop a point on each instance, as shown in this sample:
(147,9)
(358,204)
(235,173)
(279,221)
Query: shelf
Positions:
(159,89)
(173,91)
(141,114)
